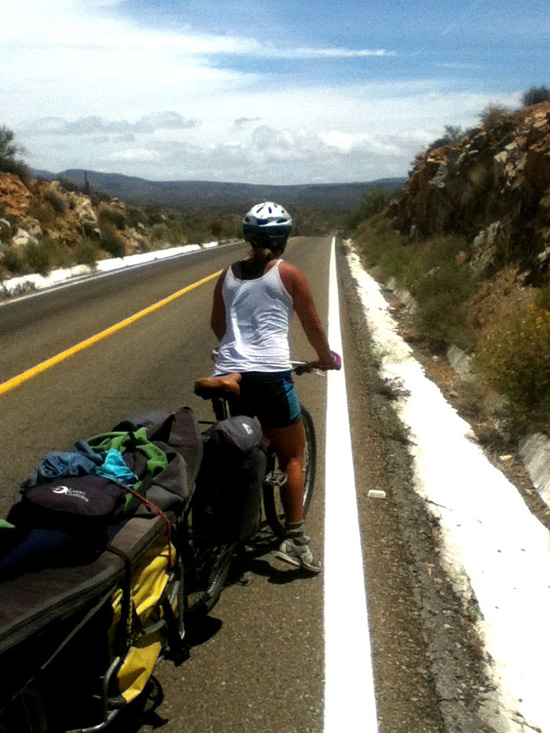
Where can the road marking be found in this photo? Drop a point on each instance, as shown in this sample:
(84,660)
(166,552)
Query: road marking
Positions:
(30,373)
(350,702)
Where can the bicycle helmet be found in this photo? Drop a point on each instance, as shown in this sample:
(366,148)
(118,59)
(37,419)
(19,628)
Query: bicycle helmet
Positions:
(267,225)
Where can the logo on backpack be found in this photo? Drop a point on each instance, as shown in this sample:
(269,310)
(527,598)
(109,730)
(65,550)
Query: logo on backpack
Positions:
(247,428)
(70,492)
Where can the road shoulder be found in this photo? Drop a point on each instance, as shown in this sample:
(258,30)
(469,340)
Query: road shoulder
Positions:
(428,665)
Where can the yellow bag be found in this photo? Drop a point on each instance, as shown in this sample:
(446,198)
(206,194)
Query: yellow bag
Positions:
(148,584)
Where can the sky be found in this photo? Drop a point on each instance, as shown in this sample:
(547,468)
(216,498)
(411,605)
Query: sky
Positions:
(280,92)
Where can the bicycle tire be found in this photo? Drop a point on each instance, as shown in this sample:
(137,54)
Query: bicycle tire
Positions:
(206,573)
(271,493)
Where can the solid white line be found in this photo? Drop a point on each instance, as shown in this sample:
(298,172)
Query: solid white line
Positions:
(350,703)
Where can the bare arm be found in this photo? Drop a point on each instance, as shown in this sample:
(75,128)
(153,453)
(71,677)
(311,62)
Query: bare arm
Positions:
(217,318)
(295,282)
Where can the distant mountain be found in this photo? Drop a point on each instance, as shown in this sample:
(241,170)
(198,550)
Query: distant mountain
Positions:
(210,194)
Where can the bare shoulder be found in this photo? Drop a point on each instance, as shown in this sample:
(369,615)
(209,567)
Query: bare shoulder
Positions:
(293,278)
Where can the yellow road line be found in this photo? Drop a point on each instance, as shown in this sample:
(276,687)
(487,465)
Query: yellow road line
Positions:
(30,373)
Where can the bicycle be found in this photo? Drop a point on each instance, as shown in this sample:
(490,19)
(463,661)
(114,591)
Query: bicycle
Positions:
(209,563)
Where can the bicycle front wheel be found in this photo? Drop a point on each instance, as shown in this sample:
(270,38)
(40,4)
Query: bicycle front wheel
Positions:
(274,478)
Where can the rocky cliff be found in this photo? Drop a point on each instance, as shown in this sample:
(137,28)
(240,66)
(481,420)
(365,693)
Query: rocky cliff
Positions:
(44,214)
(492,187)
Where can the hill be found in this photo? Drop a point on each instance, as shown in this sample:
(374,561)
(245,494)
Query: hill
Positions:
(215,195)
(468,237)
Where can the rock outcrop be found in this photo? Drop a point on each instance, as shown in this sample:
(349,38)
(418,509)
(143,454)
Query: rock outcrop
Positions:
(492,187)
(66,222)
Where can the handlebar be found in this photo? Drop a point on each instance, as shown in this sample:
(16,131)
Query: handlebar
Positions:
(306,367)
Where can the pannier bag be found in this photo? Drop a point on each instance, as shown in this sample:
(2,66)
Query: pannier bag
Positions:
(226,505)
(144,637)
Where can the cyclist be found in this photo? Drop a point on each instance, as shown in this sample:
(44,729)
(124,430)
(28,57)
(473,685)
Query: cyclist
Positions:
(251,311)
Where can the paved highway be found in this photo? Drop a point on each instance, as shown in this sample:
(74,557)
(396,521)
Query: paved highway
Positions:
(258,664)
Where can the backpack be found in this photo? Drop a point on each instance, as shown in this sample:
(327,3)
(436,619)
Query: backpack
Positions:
(227,499)
(85,507)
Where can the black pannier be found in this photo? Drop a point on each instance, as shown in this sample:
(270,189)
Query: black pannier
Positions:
(227,500)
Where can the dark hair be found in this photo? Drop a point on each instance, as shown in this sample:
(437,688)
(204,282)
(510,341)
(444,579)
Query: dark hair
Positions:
(267,240)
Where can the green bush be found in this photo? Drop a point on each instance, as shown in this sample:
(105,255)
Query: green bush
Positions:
(56,200)
(39,258)
(5,232)
(43,256)
(515,360)
(112,216)
(436,273)
(9,162)
(17,167)
(136,216)
(110,241)
(44,213)
(87,252)
(535,95)
(171,232)
(14,262)
(543,297)
(442,295)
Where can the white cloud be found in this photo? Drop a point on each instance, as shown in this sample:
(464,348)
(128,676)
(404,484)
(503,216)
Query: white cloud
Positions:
(94,124)
(83,87)
(346,143)
(134,155)
(242,122)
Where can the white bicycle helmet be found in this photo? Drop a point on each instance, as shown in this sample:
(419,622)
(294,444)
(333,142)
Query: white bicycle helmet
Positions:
(267,223)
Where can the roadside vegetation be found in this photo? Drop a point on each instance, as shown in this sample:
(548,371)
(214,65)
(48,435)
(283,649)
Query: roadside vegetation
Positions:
(507,339)
(498,316)
(435,273)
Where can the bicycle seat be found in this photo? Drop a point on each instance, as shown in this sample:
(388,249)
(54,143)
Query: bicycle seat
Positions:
(209,387)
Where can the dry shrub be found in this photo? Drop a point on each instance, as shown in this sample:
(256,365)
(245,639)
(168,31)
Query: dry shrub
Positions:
(42,212)
(56,200)
(111,241)
(87,252)
(514,358)
(496,116)
(495,302)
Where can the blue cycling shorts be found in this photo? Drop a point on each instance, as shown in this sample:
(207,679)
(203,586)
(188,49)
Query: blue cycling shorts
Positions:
(269,396)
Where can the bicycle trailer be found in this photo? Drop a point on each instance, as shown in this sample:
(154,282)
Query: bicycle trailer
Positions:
(84,617)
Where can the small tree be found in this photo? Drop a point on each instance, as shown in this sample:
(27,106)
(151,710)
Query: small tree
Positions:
(9,162)
(452,134)
(8,148)
(535,95)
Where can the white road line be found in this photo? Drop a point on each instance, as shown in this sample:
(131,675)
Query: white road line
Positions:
(350,703)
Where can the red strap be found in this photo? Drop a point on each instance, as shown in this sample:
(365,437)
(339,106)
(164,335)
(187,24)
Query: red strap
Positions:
(159,513)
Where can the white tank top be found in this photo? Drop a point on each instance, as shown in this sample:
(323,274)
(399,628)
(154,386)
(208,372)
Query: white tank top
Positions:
(257,320)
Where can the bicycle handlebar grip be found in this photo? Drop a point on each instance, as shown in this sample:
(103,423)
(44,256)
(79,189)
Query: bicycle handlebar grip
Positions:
(337,360)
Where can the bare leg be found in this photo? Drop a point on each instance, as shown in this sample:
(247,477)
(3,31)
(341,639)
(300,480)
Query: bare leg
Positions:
(289,446)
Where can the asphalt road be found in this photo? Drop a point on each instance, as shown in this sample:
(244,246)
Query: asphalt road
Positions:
(257,665)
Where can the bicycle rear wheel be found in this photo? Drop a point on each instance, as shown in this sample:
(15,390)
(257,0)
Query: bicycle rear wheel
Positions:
(208,563)
(274,478)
